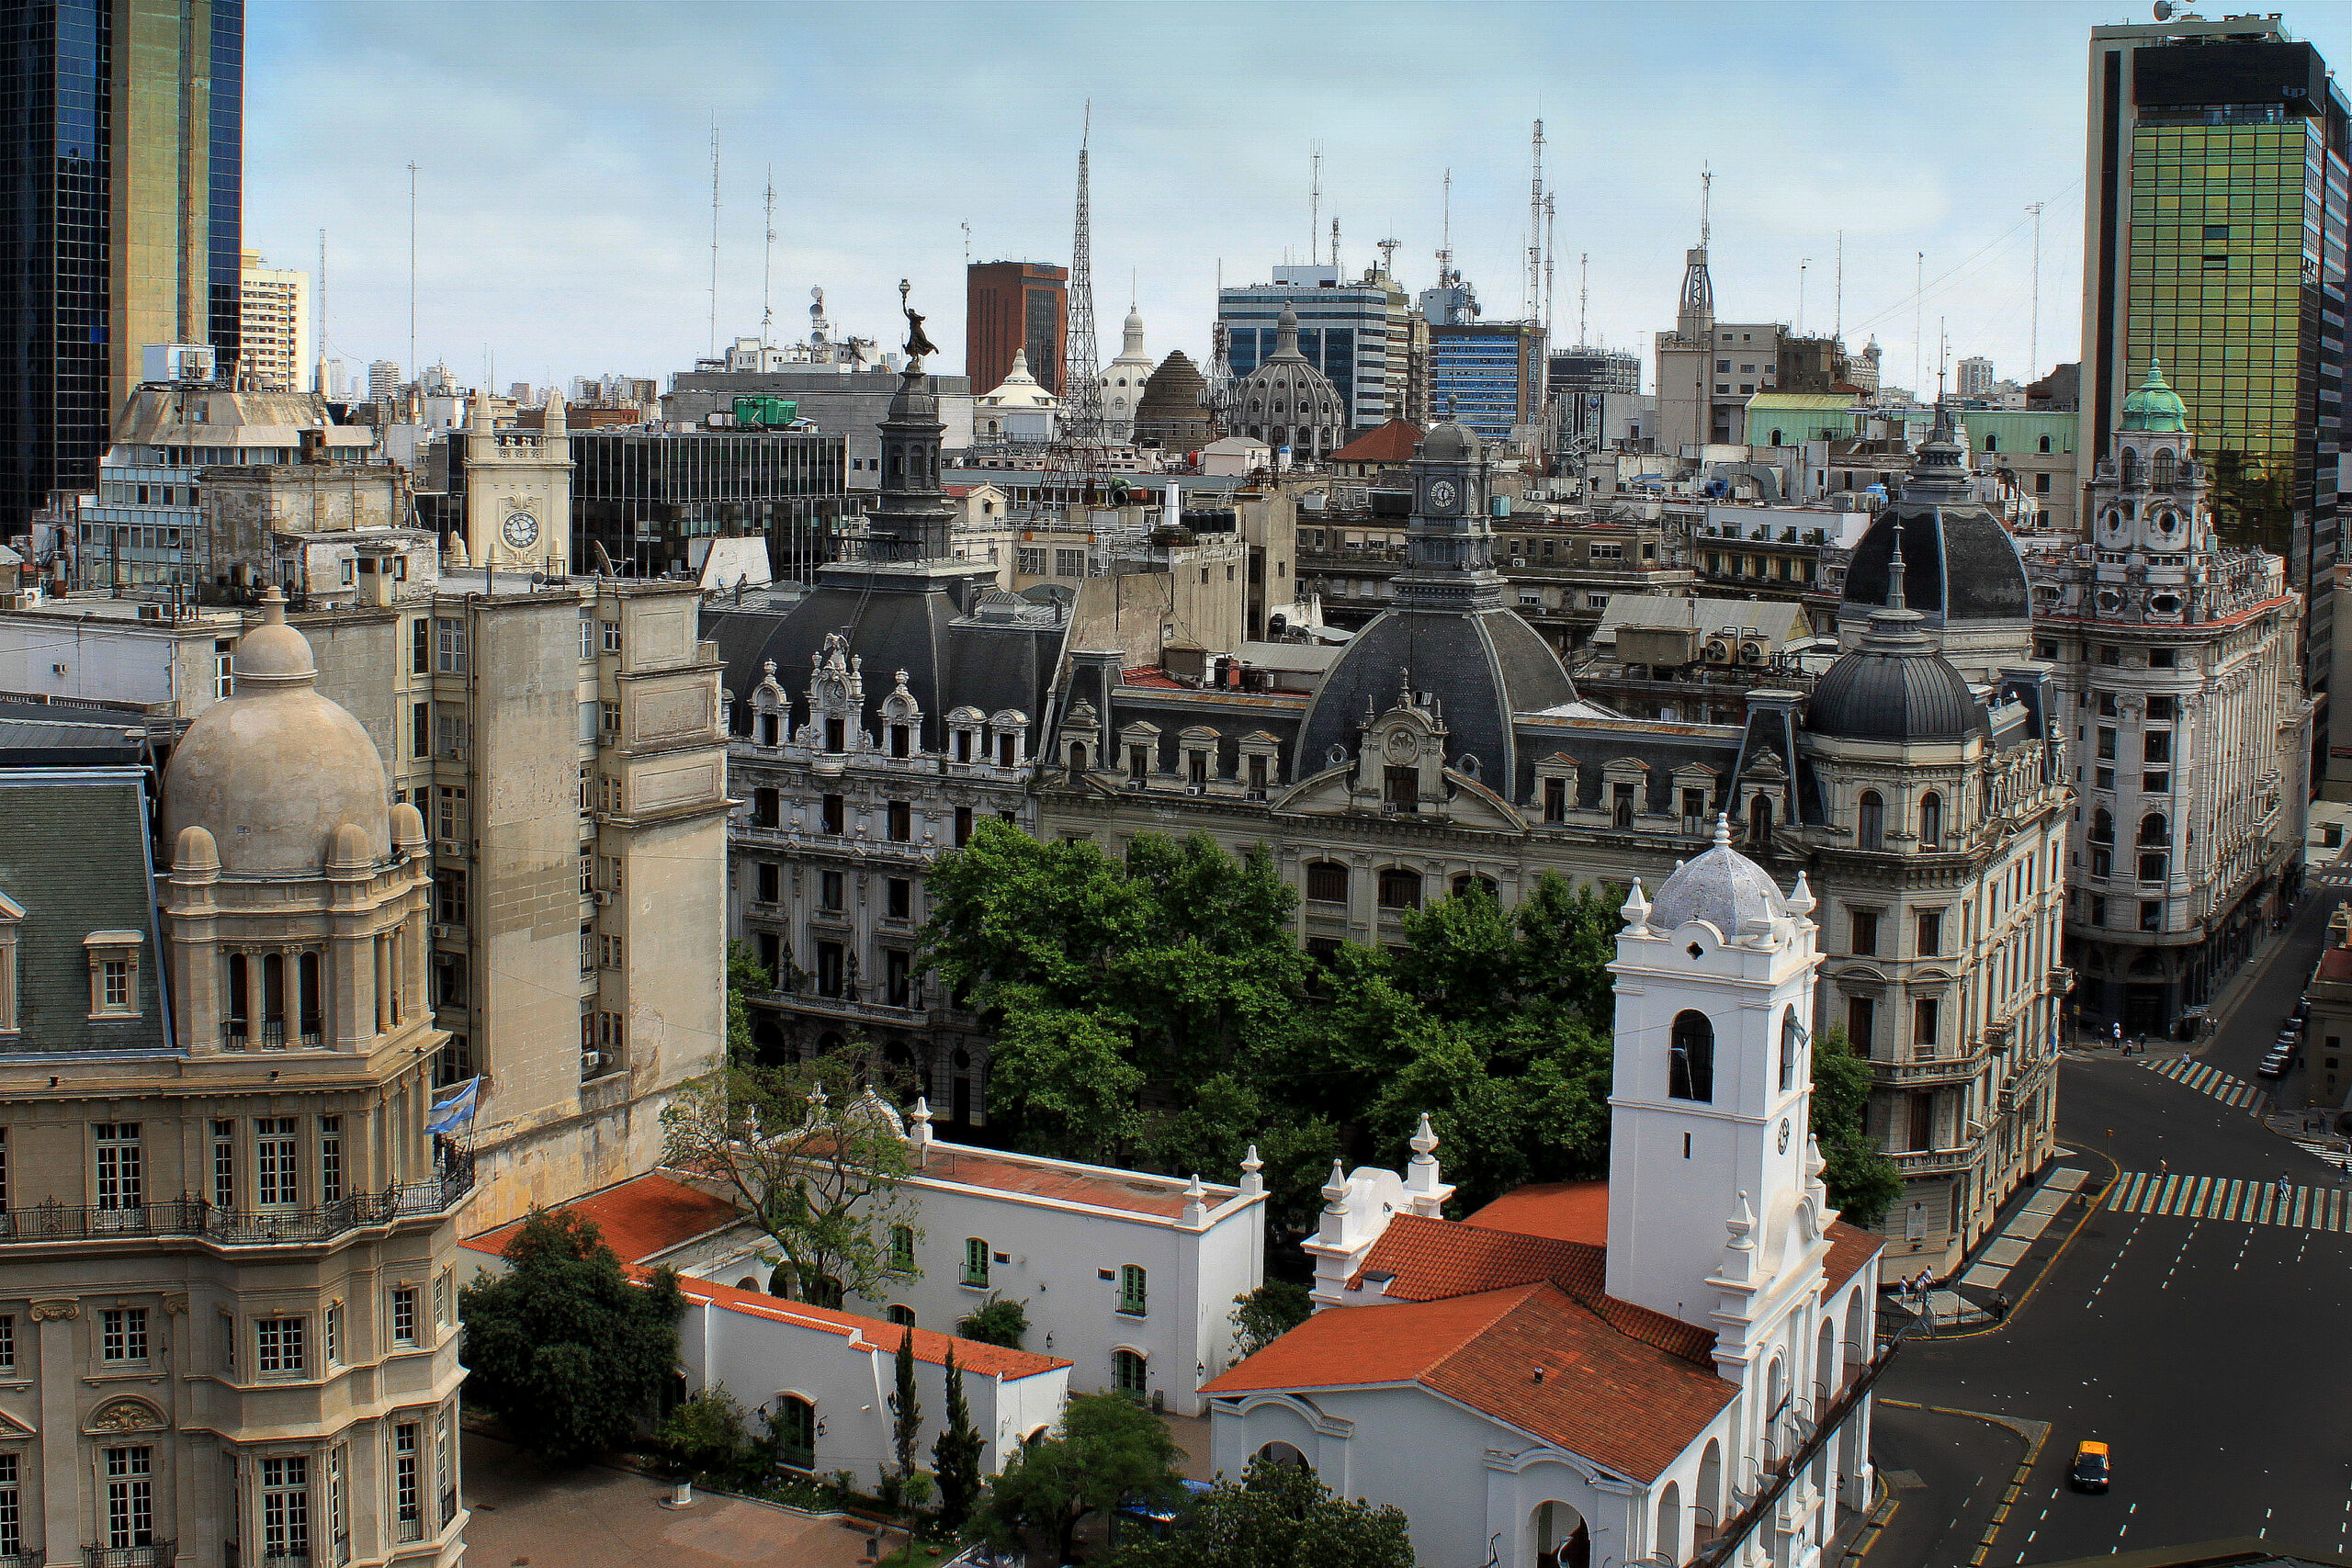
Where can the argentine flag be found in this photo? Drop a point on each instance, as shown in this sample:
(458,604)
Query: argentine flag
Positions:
(456,1109)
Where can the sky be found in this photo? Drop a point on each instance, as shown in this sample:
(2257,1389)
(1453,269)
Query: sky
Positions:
(563,153)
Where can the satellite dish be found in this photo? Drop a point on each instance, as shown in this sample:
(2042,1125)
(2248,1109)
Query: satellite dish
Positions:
(2164,10)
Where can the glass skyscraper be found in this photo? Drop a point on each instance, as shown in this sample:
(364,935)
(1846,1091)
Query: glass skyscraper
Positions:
(121,149)
(2215,242)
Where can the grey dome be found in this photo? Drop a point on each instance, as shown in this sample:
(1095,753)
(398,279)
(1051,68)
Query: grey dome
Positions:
(1961,564)
(1722,887)
(1450,442)
(1893,690)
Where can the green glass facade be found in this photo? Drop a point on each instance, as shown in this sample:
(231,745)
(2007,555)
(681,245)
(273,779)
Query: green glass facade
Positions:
(2228,245)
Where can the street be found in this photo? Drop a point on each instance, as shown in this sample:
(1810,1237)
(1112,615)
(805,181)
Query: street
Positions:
(2194,1323)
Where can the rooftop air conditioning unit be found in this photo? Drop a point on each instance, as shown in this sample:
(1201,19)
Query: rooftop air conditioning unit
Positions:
(603,896)
(590,1062)
(441,933)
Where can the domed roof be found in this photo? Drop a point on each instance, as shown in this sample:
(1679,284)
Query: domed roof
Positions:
(1450,442)
(1285,389)
(1170,409)
(1886,693)
(1721,887)
(1964,567)
(2154,406)
(1019,390)
(273,770)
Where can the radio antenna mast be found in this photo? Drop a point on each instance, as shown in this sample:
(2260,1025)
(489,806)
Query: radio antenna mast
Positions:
(1445,233)
(714,236)
(1549,208)
(1584,273)
(1314,200)
(1535,225)
(767,260)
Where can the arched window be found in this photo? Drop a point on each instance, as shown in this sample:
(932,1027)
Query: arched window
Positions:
(1077,760)
(1931,821)
(1690,1059)
(240,1000)
(2164,467)
(1130,1372)
(795,1430)
(2131,466)
(1669,1523)
(272,999)
(2045,444)
(1870,826)
(1327,882)
(1465,881)
(1400,888)
(1775,440)
(1281,1456)
(1992,443)
(2153,828)
(1760,819)
(1792,1042)
(2102,826)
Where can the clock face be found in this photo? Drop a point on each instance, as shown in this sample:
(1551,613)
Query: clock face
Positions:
(1441,495)
(521,530)
(1784,1135)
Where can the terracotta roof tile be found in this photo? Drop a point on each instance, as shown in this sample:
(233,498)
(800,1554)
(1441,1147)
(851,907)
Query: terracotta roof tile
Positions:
(995,1361)
(641,1218)
(1564,1210)
(1152,677)
(1849,1248)
(1134,1193)
(2335,964)
(1624,1404)
(1394,441)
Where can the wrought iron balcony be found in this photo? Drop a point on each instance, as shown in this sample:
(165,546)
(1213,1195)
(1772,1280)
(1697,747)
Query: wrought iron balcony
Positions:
(191,1216)
(156,1554)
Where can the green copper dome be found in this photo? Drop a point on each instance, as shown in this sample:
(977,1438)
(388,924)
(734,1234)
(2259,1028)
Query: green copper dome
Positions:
(2155,406)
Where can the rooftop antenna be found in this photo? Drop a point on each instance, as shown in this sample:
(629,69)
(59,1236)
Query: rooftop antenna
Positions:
(1535,223)
(1445,233)
(967,242)
(1918,319)
(1706,200)
(1081,387)
(1388,249)
(768,258)
(1314,200)
(2033,333)
(714,236)
(1584,275)
(319,315)
(1803,263)
(411,269)
(1549,208)
(1335,244)
(1838,311)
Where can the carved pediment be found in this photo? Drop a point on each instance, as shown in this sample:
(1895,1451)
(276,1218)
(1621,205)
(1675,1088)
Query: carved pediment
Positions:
(125,1414)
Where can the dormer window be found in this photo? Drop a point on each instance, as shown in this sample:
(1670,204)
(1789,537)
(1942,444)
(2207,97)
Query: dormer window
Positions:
(114,973)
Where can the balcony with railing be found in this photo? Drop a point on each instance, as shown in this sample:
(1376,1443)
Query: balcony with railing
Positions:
(188,1215)
(156,1554)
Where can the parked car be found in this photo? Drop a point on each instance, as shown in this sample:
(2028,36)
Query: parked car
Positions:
(2090,1470)
(2275,1065)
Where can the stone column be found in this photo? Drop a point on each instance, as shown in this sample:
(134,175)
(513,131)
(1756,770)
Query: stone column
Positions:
(62,1449)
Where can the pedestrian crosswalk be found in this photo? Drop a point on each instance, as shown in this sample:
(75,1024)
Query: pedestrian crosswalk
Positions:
(2234,1092)
(2219,1198)
(2331,1152)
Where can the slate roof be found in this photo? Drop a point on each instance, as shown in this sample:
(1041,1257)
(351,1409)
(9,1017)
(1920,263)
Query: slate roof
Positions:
(1893,688)
(641,1218)
(1721,887)
(1485,666)
(74,857)
(1960,565)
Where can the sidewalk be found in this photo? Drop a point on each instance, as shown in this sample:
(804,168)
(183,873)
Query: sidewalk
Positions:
(2013,1258)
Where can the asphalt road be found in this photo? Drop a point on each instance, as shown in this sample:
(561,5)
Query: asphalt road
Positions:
(2210,1353)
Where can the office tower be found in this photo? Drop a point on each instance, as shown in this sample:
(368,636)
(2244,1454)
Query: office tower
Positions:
(2213,244)
(1488,376)
(1974,377)
(120,190)
(1347,330)
(1010,306)
(273,327)
(383,380)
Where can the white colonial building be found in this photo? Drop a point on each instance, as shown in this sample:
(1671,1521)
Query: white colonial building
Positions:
(1631,1370)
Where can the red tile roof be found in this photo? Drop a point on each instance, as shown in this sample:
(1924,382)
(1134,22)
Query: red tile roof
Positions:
(1851,1246)
(1431,1259)
(995,1361)
(1151,676)
(1392,443)
(1564,1210)
(2335,964)
(1137,1194)
(641,1218)
(1626,1405)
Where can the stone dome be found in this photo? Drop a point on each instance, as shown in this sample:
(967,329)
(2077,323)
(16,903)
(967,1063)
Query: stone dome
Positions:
(1450,443)
(1722,887)
(271,773)
(1169,413)
(1288,401)
(2154,405)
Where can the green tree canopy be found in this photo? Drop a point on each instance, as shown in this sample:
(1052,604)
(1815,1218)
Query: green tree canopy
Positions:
(564,1349)
(1107,1449)
(1278,1516)
(1863,1183)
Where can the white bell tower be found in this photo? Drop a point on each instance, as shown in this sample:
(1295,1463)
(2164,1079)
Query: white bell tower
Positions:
(1709,1133)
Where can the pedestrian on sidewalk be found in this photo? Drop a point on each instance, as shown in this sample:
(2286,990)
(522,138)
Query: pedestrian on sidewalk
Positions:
(2000,1306)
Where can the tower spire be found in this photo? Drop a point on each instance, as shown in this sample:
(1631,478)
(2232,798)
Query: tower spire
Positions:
(1894,572)
(1081,387)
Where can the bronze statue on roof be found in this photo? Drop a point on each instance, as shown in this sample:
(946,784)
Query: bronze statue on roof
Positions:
(917,343)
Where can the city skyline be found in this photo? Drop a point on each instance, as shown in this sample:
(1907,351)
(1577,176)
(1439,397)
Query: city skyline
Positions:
(581,243)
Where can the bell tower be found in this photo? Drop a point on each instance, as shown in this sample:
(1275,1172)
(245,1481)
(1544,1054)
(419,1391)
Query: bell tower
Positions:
(1709,1120)
(1449,544)
(518,490)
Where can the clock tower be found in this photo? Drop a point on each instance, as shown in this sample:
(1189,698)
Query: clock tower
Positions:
(1449,545)
(518,491)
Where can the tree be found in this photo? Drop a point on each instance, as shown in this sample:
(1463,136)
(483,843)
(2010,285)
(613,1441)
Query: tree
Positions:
(956,1454)
(564,1349)
(906,1422)
(995,1321)
(1266,1314)
(1107,1449)
(745,973)
(815,1165)
(1863,1183)
(1278,1516)
(705,1435)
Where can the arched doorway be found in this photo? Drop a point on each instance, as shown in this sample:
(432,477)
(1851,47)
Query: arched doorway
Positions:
(1669,1523)
(1281,1456)
(1561,1538)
